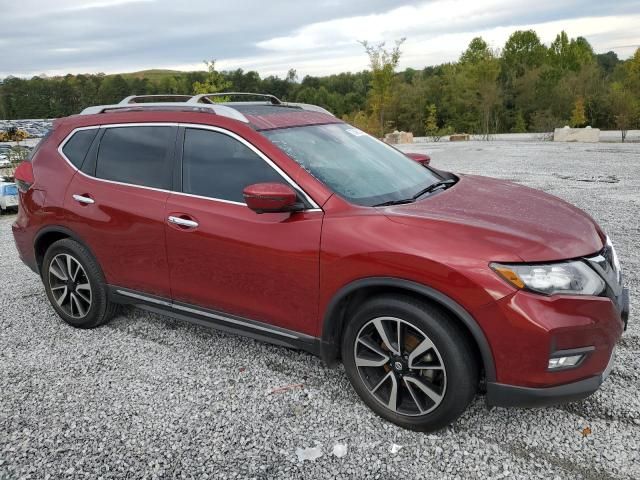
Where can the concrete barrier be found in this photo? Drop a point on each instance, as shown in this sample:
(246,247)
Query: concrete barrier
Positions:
(459,137)
(398,137)
(567,134)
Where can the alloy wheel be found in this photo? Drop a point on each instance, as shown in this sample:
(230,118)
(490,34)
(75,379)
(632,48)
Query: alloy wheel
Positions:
(400,366)
(70,286)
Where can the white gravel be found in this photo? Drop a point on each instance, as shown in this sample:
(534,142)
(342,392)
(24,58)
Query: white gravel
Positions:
(150,397)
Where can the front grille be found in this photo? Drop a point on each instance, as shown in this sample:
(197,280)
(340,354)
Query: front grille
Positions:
(609,255)
(605,265)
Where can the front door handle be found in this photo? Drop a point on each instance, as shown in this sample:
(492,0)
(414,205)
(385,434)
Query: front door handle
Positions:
(183,222)
(83,199)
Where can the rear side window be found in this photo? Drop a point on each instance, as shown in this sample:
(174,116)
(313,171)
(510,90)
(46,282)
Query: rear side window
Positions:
(217,166)
(78,145)
(137,155)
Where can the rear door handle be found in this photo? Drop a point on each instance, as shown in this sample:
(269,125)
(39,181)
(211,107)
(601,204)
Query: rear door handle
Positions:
(183,222)
(83,199)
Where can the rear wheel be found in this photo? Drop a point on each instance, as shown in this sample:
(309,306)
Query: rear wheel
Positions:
(75,285)
(410,362)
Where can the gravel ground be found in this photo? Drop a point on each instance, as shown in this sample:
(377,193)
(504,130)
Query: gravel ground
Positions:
(146,396)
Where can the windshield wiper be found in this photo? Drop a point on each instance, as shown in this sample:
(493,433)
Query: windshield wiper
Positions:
(394,202)
(432,187)
(429,189)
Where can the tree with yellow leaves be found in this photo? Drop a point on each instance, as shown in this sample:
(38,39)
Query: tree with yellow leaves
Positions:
(578,116)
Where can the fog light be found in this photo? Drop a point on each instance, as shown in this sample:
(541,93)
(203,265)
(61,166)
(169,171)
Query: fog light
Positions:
(563,362)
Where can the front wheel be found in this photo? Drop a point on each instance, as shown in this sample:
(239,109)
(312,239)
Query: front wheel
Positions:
(410,362)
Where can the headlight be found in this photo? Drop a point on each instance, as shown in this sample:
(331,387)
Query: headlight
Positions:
(569,278)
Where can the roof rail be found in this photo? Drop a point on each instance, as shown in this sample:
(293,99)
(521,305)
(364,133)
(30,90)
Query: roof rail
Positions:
(216,108)
(200,101)
(205,96)
(132,98)
(310,107)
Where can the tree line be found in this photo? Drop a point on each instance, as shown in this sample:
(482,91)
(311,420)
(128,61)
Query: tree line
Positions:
(526,86)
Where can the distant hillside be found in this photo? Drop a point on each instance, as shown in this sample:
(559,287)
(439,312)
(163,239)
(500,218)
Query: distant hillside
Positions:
(154,74)
(526,86)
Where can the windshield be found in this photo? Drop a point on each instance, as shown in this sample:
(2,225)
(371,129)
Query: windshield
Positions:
(356,166)
(10,190)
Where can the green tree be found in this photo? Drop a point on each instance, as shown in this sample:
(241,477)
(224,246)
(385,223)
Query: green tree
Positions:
(477,52)
(214,83)
(522,52)
(625,108)
(520,125)
(431,125)
(113,89)
(383,64)
(565,54)
(608,61)
(475,90)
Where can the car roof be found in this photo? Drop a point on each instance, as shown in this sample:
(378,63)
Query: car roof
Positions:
(266,114)
(268,117)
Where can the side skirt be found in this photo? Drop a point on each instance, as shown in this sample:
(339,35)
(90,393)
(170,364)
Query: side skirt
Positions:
(218,320)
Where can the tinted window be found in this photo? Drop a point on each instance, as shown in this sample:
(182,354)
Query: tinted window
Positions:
(217,166)
(78,146)
(137,155)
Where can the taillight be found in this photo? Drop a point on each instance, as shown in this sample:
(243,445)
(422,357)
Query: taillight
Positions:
(24,176)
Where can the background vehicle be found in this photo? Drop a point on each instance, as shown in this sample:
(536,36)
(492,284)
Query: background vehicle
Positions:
(8,196)
(281,222)
(422,158)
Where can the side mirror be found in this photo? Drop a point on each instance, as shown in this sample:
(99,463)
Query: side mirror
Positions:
(420,158)
(271,198)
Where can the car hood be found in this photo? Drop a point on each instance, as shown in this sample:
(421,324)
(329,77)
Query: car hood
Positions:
(512,219)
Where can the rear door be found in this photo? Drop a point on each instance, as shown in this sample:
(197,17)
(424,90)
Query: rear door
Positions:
(228,258)
(116,201)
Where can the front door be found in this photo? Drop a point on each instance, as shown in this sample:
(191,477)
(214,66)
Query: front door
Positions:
(225,257)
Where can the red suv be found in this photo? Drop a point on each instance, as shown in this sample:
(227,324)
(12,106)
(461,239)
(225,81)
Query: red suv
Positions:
(281,222)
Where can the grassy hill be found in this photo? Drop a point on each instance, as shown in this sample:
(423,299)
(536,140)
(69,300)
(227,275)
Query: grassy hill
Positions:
(153,74)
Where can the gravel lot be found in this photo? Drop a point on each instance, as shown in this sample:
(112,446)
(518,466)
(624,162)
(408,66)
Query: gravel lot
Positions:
(146,396)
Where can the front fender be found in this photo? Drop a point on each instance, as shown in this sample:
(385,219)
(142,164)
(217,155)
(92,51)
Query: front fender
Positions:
(332,323)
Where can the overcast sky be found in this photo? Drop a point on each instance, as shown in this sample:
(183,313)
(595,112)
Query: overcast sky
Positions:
(313,36)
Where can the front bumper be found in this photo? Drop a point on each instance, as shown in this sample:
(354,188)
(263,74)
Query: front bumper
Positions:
(500,395)
(571,384)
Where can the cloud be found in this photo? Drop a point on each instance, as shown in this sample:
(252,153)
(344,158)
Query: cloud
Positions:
(439,31)
(104,4)
(315,37)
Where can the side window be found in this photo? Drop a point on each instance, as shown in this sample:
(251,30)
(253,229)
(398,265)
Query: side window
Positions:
(78,145)
(137,155)
(217,166)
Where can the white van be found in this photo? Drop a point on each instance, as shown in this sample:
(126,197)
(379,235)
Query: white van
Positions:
(8,196)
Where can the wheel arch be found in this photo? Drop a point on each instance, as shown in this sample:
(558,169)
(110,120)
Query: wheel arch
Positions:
(334,318)
(47,236)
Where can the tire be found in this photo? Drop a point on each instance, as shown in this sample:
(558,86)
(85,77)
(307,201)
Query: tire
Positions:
(74,302)
(436,375)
